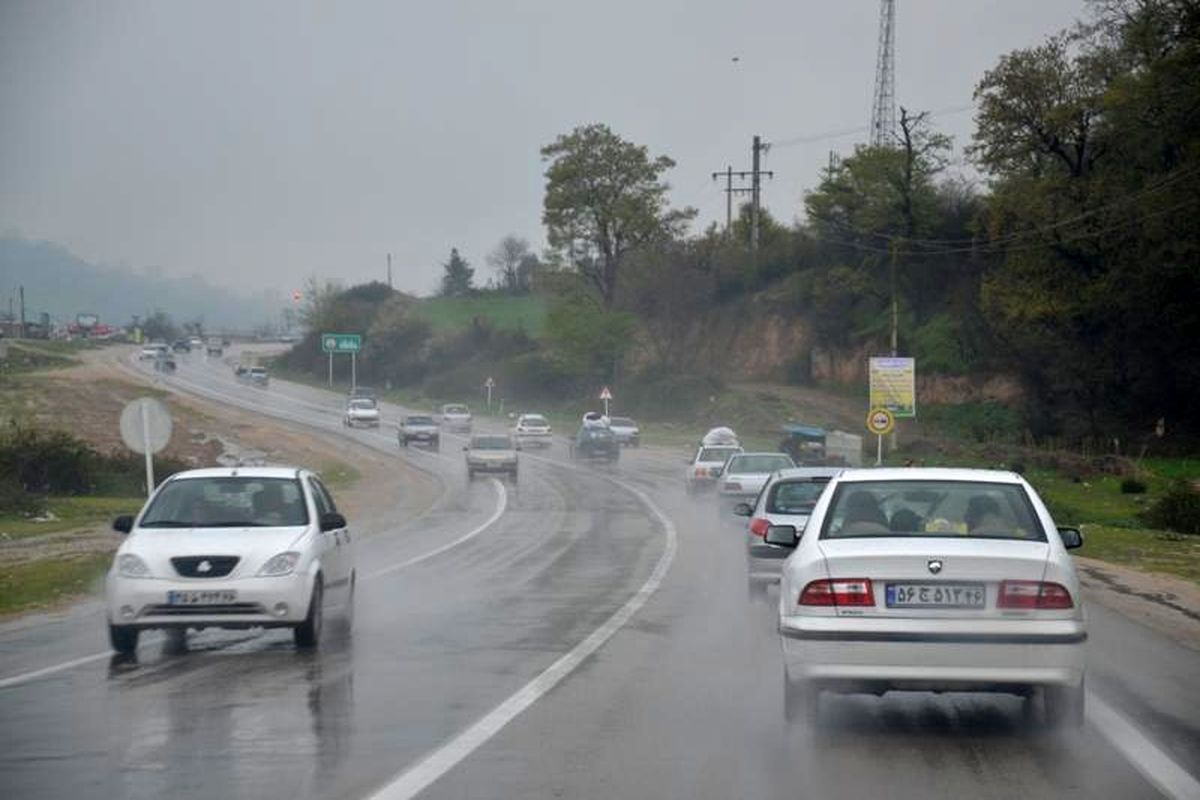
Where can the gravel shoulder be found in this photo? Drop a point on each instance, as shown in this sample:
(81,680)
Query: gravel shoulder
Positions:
(1165,603)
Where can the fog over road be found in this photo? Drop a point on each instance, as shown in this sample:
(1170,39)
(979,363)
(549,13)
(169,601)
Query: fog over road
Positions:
(479,667)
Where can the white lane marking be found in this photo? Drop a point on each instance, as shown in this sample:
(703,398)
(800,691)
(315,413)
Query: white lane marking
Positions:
(421,775)
(501,505)
(1156,766)
(25,677)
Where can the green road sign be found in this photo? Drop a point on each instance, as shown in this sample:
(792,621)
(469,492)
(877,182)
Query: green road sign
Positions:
(341,342)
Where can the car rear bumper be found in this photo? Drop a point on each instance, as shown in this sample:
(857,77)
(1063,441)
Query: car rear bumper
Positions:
(143,602)
(972,654)
(539,439)
(497,466)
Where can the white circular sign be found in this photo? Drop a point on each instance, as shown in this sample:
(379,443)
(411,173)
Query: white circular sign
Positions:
(145,424)
(880,421)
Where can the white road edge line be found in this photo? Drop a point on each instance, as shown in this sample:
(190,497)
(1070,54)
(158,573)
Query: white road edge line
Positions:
(1156,766)
(25,677)
(501,506)
(415,779)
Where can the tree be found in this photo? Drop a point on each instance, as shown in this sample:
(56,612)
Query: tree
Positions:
(456,282)
(160,327)
(604,198)
(513,262)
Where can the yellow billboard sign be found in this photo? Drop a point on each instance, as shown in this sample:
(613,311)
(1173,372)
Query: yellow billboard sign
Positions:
(893,382)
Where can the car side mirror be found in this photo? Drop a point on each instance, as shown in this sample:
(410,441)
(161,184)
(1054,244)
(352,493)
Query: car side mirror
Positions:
(123,523)
(782,535)
(1072,538)
(743,510)
(332,521)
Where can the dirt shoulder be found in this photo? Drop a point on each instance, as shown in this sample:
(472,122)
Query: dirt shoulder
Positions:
(1165,603)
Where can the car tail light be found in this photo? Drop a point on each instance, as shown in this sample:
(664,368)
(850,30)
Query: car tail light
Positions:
(1033,594)
(840,592)
(759,525)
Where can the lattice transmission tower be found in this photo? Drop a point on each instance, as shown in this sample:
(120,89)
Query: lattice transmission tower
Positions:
(883,109)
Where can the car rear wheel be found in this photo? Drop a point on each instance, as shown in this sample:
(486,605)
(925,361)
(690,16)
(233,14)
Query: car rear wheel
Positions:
(308,633)
(801,701)
(1064,706)
(123,638)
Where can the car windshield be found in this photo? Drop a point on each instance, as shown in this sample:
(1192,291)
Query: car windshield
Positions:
(795,497)
(455,410)
(622,422)
(953,509)
(227,502)
(491,443)
(362,403)
(256,371)
(758,464)
(419,421)
(716,454)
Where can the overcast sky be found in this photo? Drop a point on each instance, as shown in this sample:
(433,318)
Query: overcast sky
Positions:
(258,143)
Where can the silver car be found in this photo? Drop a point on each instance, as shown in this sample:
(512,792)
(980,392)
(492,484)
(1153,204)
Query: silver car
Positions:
(787,499)
(626,430)
(746,473)
(456,417)
(931,580)
(492,453)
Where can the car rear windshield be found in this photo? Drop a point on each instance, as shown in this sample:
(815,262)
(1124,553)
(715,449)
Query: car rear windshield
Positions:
(491,443)
(419,421)
(622,422)
(258,370)
(595,433)
(533,419)
(228,502)
(711,454)
(950,509)
(756,465)
(455,410)
(795,497)
(362,402)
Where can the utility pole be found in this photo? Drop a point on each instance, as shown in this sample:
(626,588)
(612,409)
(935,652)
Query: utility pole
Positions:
(389,260)
(756,189)
(730,190)
(21,291)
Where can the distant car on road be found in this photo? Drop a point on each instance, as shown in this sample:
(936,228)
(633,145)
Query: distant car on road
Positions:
(152,351)
(533,429)
(456,417)
(491,453)
(420,428)
(362,411)
(923,579)
(214,347)
(745,474)
(787,499)
(181,346)
(164,362)
(195,342)
(243,547)
(258,376)
(595,443)
(626,430)
(705,468)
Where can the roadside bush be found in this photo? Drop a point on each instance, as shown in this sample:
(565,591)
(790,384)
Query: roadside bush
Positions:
(980,422)
(1178,510)
(668,396)
(1132,486)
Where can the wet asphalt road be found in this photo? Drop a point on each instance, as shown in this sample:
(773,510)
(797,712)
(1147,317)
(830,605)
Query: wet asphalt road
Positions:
(682,701)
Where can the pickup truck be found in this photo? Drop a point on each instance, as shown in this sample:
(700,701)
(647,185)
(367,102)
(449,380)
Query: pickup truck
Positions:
(420,428)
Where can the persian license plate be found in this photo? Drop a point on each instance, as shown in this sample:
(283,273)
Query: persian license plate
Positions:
(934,595)
(201,597)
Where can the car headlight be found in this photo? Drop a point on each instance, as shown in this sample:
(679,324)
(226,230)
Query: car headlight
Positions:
(282,564)
(131,566)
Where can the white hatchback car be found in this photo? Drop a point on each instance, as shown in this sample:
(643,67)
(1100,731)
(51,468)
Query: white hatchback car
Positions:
(533,429)
(231,548)
(931,580)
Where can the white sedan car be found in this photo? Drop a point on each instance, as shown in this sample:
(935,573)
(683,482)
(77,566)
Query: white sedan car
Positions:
(231,548)
(362,411)
(533,430)
(931,580)
(746,474)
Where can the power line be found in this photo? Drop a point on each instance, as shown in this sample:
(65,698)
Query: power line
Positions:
(838,133)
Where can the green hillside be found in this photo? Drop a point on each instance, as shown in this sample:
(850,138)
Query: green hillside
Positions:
(448,314)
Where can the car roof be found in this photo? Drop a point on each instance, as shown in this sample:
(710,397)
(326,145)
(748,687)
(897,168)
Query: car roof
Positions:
(763,453)
(930,474)
(808,472)
(239,472)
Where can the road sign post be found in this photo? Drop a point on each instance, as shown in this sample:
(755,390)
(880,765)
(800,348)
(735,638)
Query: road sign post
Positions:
(343,343)
(607,397)
(146,428)
(489,384)
(880,422)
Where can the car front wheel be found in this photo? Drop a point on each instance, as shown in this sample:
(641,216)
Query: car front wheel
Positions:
(308,633)
(123,638)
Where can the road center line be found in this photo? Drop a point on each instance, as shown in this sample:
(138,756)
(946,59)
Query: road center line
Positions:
(1156,766)
(421,775)
(501,505)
